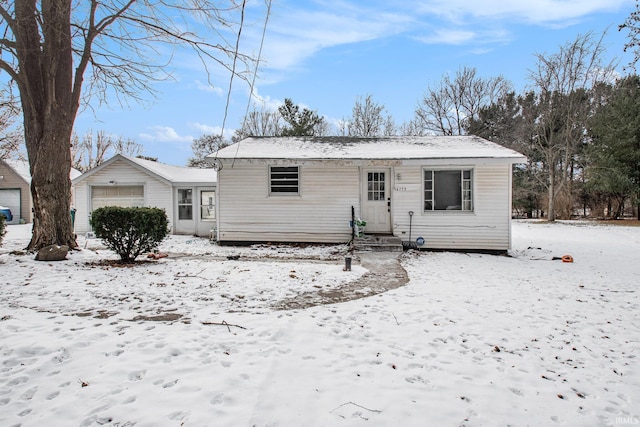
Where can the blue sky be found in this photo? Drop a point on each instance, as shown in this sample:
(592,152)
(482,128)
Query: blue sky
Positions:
(325,54)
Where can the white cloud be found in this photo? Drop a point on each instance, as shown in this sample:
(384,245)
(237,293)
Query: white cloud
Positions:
(206,87)
(298,30)
(164,134)
(296,34)
(540,12)
(205,129)
(459,36)
(265,102)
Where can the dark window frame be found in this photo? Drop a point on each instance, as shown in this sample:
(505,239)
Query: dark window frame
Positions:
(436,190)
(284,180)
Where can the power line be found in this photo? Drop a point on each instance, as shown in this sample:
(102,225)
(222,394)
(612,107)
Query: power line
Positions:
(233,69)
(255,73)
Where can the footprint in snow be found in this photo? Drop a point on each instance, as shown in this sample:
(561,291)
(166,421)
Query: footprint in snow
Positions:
(28,395)
(516,391)
(52,396)
(170,384)
(217,399)
(137,375)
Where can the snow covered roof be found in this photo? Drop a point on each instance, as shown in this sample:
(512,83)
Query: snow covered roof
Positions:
(21,167)
(176,174)
(168,173)
(387,148)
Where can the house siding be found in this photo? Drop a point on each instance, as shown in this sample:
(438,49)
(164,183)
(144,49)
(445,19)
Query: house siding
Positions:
(156,192)
(321,212)
(486,228)
(13,181)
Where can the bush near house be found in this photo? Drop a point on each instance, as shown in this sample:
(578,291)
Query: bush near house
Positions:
(130,232)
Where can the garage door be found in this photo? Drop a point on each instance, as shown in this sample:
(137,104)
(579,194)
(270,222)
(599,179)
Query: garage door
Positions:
(11,199)
(124,196)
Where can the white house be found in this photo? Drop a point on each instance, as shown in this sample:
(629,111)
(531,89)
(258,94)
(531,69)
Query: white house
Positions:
(443,192)
(186,194)
(15,189)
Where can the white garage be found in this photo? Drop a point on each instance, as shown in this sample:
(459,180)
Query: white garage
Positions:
(186,194)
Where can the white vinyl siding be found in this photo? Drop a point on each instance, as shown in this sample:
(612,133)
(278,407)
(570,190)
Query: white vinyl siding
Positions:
(487,227)
(248,212)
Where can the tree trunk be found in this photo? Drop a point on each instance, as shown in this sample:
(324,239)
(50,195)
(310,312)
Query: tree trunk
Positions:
(551,213)
(45,79)
(50,165)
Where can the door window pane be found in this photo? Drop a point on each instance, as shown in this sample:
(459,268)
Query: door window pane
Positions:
(185,204)
(375,186)
(207,205)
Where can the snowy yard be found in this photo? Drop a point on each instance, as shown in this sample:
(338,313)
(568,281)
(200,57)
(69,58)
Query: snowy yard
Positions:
(475,340)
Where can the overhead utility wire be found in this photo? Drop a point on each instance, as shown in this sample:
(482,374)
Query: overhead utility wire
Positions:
(233,69)
(255,73)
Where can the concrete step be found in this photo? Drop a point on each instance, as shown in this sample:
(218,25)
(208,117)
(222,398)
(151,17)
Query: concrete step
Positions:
(378,243)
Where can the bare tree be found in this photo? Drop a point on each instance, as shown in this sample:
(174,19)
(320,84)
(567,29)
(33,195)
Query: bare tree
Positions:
(446,108)
(563,82)
(368,118)
(411,128)
(342,127)
(48,48)
(202,147)
(10,132)
(259,122)
(632,25)
(89,152)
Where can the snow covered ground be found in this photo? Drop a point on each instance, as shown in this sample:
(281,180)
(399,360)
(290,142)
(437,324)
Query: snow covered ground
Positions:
(475,340)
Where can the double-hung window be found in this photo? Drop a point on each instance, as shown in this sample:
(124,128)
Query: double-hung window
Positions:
(448,190)
(284,180)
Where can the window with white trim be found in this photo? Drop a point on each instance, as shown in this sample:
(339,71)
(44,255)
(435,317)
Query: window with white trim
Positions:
(448,190)
(185,204)
(284,180)
(117,195)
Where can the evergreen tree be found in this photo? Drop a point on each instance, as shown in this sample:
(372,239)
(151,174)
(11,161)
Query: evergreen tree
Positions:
(614,152)
(302,122)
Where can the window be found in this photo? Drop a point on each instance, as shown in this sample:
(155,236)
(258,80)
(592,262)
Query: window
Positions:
(375,186)
(185,204)
(125,196)
(284,180)
(448,190)
(207,205)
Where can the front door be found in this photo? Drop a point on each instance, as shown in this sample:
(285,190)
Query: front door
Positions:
(207,217)
(186,219)
(376,203)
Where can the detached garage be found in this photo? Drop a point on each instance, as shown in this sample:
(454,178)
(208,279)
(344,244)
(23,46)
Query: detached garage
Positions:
(14,189)
(186,194)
